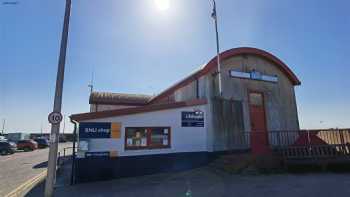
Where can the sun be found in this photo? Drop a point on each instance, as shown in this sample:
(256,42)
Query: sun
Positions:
(162,4)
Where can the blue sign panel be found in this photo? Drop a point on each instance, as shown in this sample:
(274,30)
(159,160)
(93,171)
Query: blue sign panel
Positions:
(192,119)
(94,130)
(97,154)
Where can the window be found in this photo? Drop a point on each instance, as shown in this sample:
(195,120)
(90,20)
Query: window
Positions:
(147,137)
(256,99)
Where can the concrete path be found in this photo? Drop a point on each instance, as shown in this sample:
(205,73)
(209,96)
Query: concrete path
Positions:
(205,181)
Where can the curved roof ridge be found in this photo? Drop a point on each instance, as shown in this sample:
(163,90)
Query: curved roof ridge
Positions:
(211,65)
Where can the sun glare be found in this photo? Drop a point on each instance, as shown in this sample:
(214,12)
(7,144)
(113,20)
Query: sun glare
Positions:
(162,4)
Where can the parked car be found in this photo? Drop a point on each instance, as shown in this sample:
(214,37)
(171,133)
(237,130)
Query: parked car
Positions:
(27,145)
(42,143)
(3,139)
(7,148)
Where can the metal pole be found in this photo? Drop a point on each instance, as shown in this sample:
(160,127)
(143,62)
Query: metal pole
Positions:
(91,85)
(41,129)
(55,128)
(64,124)
(72,178)
(215,16)
(3,126)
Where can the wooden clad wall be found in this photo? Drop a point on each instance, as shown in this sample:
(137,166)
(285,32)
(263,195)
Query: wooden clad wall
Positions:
(228,124)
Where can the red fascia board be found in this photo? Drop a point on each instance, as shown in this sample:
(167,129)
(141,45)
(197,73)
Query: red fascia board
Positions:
(136,110)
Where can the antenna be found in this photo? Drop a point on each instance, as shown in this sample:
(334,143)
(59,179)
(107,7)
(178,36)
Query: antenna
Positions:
(91,84)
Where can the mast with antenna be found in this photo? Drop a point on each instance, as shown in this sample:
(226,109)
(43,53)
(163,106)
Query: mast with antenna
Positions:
(91,84)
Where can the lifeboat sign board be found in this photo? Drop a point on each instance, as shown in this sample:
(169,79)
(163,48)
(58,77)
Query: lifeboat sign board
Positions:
(192,119)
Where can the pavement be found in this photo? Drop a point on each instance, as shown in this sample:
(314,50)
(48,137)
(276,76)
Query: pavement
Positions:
(206,181)
(19,169)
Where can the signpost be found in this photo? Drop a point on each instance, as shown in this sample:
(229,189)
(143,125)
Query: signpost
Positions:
(192,119)
(56,117)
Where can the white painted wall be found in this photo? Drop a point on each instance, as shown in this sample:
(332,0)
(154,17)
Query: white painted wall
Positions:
(183,139)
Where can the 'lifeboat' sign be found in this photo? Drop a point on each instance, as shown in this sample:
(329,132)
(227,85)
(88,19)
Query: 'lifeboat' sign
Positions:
(192,119)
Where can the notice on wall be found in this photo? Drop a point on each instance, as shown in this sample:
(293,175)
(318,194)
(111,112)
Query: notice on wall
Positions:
(166,131)
(143,141)
(129,141)
(192,119)
(84,145)
(97,154)
(165,142)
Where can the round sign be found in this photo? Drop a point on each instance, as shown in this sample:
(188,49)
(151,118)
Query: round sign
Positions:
(55,117)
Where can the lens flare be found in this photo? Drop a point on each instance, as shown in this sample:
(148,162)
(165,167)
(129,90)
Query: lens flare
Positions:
(162,4)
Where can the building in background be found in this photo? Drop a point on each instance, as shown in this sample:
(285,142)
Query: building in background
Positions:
(15,137)
(189,123)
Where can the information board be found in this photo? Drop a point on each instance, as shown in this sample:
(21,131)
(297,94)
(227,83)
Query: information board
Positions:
(94,130)
(192,119)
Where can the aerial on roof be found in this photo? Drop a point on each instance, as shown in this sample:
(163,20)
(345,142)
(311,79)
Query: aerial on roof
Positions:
(118,98)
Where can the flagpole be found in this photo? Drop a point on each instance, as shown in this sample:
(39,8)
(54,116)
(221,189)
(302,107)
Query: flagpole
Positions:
(215,17)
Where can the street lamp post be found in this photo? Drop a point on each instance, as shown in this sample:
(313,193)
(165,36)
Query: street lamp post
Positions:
(55,127)
(215,17)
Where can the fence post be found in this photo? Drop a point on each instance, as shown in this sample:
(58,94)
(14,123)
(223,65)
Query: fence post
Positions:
(342,141)
(309,150)
(58,158)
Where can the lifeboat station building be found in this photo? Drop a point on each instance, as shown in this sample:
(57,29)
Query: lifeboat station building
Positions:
(190,123)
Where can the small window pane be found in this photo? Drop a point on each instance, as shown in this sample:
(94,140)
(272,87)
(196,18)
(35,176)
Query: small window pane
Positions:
(159,136)
(256,99)
(136,137)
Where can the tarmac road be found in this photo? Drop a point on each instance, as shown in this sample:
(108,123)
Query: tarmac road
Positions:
(20,167)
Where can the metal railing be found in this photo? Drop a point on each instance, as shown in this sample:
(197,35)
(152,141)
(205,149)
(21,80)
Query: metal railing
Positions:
(298,144)
(64,155)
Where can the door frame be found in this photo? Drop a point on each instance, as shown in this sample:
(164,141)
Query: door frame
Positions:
(264,110)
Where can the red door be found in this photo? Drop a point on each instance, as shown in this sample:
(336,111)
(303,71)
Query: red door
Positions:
(259,139)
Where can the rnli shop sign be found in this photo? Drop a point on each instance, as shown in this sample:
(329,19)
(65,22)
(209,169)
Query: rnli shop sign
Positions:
(192,119)
(99,130)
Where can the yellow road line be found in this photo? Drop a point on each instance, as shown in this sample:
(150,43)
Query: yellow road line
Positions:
(25,187)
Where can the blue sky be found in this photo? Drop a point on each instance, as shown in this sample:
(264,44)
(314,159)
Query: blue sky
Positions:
(133,47)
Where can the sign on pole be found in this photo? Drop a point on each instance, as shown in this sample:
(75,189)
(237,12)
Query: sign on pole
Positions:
(55,117)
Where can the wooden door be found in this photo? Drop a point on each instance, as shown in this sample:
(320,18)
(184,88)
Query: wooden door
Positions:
(259,139)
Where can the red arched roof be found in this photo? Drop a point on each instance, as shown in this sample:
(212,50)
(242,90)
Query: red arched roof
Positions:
(212,65)
(253,51)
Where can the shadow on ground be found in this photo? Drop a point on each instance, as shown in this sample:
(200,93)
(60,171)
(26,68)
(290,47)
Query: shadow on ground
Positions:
(41,165)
